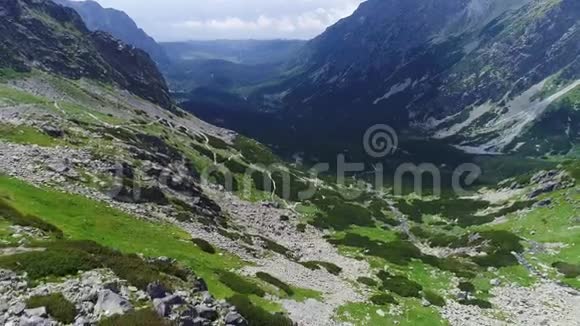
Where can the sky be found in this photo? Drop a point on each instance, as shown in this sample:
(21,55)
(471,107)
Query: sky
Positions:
(178,20)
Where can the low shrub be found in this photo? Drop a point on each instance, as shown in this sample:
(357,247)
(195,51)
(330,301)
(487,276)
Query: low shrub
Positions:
(275,247)
(315,265)
(257,316)
(236,167)
(569,270)
(236,236)
(52,262)
(57,306)
(204,245)
(467,287)
(13,215)
(175,269)
(500,240)
(434,299)
(255,152)
(301,227)
(203,150)
(310,265)
(460,267)
(383,299)
(145,317)
(496,259)
(367,281)
(397,252)
(68,257)
(240,284)
(400,285)
(477,302)
(217,143)
(343,215)
(276,282)
(135,270)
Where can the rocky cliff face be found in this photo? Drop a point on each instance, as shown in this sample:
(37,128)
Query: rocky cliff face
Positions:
(455,69)
(118,24)
(43,35)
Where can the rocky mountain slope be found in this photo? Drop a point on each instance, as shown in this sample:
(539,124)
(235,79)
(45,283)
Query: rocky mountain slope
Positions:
(44,35)
(118,24)
(477,74)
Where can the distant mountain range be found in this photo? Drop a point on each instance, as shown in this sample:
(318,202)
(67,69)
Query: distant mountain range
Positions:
(487,76)
(118,24)
(217,65)
(478,74)
(249,52)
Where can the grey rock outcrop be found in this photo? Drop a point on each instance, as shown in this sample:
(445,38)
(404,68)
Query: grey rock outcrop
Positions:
(109,303)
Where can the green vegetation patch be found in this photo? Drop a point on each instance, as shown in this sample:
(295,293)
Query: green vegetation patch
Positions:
(52,262)
(276,247)
(477,302)
(398,252)
(62,258)
(383,299)
(57,306)
(449,208)
(7,74)
(26,135)
(257,316)
(342,215)
(240,284)
(569,270)
(21,97)
(204,245)
(467,287)
(434,299)
(80,218)
(255,152)
(12,214)
(276,282)
(330,267)
(367,281)
(462,210)
(402,252)
(499,248)
(144,317)
(400,285)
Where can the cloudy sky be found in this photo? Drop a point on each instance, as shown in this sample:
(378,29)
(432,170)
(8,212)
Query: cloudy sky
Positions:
(170,20)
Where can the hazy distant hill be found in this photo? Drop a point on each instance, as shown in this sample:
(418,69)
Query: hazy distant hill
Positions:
(118,24)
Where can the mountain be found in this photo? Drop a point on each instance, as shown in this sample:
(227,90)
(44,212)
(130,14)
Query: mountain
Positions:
(46,36)
(118,24)
(115,210)
(477,74)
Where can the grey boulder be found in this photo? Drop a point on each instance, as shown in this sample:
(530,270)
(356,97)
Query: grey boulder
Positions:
(110,303)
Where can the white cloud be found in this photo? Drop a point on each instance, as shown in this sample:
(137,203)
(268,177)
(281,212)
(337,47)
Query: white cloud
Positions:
(234,19)
(306,24)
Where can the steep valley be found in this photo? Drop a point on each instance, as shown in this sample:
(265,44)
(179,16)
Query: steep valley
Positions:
(118,207)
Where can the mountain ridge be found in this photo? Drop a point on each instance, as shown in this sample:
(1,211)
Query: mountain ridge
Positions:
(423,66)
(44,35)
(118,24)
